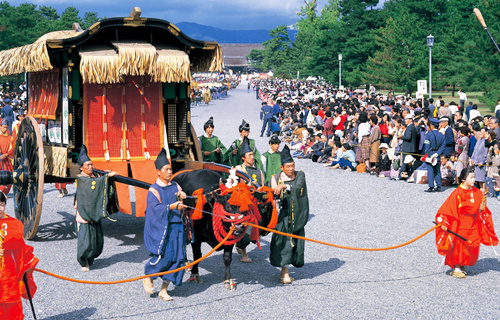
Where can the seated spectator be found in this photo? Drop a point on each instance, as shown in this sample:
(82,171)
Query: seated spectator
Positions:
(347,161)
(383,167)
(412,164)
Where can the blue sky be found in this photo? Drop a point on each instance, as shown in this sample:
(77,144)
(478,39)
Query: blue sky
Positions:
(224,14)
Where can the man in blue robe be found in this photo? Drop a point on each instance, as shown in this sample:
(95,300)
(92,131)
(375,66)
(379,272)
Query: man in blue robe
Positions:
(449,139)
(164,233)
(434,145)
(266,114)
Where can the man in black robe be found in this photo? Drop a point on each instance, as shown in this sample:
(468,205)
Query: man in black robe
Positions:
(291,189)
(95,199)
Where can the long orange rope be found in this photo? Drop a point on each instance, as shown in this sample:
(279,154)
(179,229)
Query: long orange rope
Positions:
(141,277)
(344,247)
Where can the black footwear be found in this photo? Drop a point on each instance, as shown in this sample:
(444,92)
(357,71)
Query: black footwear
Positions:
(438,189)
(430,190)
(261,134)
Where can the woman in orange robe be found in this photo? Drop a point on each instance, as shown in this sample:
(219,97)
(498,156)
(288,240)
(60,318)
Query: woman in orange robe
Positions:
(6,152)
(465,214)
(16,259)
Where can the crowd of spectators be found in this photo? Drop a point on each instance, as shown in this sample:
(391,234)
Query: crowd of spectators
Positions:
(383,135)
(13,102)
(205,88)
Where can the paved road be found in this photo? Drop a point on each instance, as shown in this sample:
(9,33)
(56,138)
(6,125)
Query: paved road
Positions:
(346,208)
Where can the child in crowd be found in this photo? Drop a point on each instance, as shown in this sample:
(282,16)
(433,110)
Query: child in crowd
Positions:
(447,177)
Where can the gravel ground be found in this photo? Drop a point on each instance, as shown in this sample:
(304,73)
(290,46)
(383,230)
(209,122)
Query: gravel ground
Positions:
(346,208)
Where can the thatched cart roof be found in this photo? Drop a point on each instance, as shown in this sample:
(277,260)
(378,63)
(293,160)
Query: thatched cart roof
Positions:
(108,61)
(109,64)
(31,57)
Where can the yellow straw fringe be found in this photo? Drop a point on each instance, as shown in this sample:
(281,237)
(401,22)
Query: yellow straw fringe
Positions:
(163,64)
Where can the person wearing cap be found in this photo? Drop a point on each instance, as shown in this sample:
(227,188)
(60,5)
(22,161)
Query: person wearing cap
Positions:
(91,191)
(6,151)
(409,145)
(164,233)
(434,144)
(412,164)
(212,148)
(257,177)
(479,157)
(383,167)
(266,113)
(449,136)
(291,189)
(7,113)
(232,155)
(271,159)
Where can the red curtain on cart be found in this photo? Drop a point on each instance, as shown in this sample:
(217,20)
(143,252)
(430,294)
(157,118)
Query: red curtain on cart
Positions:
(123,122)
(44,94)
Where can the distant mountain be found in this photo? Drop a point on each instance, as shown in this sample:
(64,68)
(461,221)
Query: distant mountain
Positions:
(208,33)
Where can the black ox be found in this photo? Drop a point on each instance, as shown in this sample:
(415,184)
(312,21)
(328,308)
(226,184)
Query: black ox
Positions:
(203,229)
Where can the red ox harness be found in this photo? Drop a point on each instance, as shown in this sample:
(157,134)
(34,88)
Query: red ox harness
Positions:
(242,197)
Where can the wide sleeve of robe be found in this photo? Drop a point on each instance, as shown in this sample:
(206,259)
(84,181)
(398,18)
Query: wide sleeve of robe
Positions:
(449,216)
(157,220)
(230,158)
(96,197)
(298,202)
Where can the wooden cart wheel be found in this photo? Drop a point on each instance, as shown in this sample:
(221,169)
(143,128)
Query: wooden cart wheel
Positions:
(196,145)
(29,156)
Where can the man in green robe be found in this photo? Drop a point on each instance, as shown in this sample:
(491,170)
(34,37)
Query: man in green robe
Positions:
(291,189)
(232,155)
(95,199)
(212,148)
(257,177)
(271,160)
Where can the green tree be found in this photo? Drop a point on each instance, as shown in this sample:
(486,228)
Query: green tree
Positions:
(400,62)
(256,58)
(89,19)
(324,52)
(485,55)
(68,17)
(307,29)
(277,51)
(360,20)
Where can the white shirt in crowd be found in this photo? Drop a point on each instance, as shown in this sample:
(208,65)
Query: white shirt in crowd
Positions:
(453,108)
(462,96)
(474,114)
(363,130)
(497,108)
